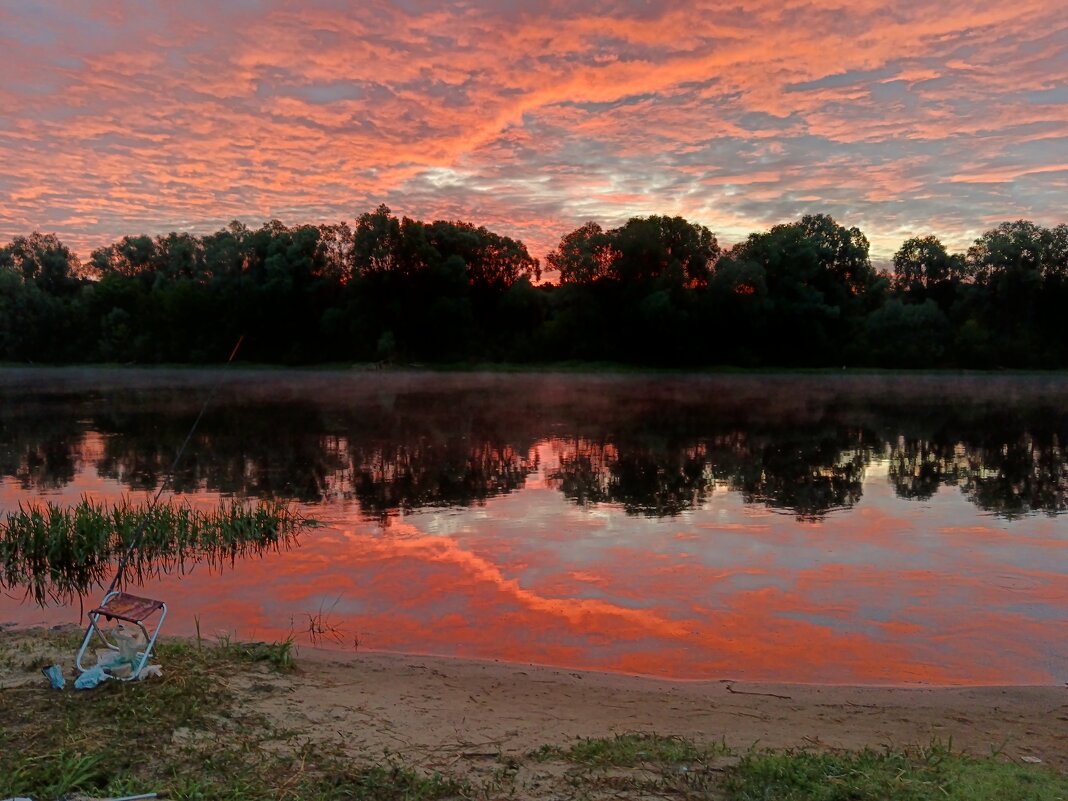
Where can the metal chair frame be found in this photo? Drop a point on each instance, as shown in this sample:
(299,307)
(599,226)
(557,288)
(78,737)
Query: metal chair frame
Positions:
(131,609)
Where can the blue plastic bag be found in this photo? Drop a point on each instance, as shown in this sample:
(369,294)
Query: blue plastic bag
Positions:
(92,677)
(54,674)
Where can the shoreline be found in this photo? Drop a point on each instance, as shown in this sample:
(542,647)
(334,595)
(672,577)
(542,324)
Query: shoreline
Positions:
(324,652)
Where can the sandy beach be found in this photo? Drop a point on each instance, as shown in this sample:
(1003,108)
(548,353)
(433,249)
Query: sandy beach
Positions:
(439,712)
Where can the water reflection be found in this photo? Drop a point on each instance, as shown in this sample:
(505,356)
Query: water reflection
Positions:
(270,451)
(769,528)
(653,451)
(664,481)
(807,475)
(40,446)
(918,468)
(1011,476)
(405,478)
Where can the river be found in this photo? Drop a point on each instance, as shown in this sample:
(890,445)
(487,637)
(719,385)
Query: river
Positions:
(824,528)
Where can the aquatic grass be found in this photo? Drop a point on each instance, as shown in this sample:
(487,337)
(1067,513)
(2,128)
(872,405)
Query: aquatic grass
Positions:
(59,553)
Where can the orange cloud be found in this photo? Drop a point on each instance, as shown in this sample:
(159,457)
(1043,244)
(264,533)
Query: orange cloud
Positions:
(531,118)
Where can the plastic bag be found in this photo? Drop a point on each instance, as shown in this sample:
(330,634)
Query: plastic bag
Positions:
(54,674)
(90,678)
(130,641)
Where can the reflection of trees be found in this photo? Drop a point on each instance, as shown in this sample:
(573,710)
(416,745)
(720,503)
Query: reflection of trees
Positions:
(808,476)
(49,463)
(271,451)
(655,447)
(644,480)
(583,471)
(1021,475)
(1008,467)
(394,452)
(919,467)
(409,476)
(39,443)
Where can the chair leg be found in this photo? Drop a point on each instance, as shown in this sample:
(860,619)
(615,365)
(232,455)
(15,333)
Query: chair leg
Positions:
(92,628)
(150,642)
(85,644)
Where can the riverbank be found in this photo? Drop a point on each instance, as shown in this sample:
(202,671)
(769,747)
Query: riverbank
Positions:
(482,724)
(424,705)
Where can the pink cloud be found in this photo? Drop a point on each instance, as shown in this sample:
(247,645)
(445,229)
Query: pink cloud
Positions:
(530,118)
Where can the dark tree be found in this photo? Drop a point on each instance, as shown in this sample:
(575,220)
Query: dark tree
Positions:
(583,256)
(41,259)
(650,247)
(492,261)
(641,250)
(920,264)
(818,280)
(656,291)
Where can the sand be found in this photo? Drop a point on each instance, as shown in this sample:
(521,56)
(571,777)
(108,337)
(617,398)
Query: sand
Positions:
(435,711)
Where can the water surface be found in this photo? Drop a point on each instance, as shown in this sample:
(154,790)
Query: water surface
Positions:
(869,529)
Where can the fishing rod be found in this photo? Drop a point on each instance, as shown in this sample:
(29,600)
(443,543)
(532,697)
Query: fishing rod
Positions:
(140,533)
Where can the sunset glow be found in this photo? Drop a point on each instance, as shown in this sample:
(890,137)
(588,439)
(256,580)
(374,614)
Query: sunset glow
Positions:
(531,118)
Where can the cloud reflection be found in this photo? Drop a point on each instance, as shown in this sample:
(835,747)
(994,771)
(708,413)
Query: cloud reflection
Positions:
(895,596)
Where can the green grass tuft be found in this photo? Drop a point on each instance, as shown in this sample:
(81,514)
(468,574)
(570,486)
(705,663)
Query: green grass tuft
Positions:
(59,773)
(278,654)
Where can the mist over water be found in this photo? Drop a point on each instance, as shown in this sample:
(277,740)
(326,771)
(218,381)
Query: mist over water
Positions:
(871,529)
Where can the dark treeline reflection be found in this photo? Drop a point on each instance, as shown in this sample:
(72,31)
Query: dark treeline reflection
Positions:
(399,442)
(407,477)
(1014,476)
(806,475)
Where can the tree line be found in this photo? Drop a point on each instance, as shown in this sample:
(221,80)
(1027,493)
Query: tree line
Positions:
(656,291)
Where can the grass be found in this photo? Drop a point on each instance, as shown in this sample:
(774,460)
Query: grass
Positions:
(195,735)
(58,553)
(321,629)
(278,654)
(680,768)
(630,750)
(922,774)
(187,735)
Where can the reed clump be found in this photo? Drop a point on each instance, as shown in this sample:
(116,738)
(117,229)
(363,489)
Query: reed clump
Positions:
(58,553)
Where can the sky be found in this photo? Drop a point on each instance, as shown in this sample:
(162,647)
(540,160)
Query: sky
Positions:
(533,116)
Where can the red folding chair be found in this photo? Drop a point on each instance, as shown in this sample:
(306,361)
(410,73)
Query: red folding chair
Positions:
(131,609)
